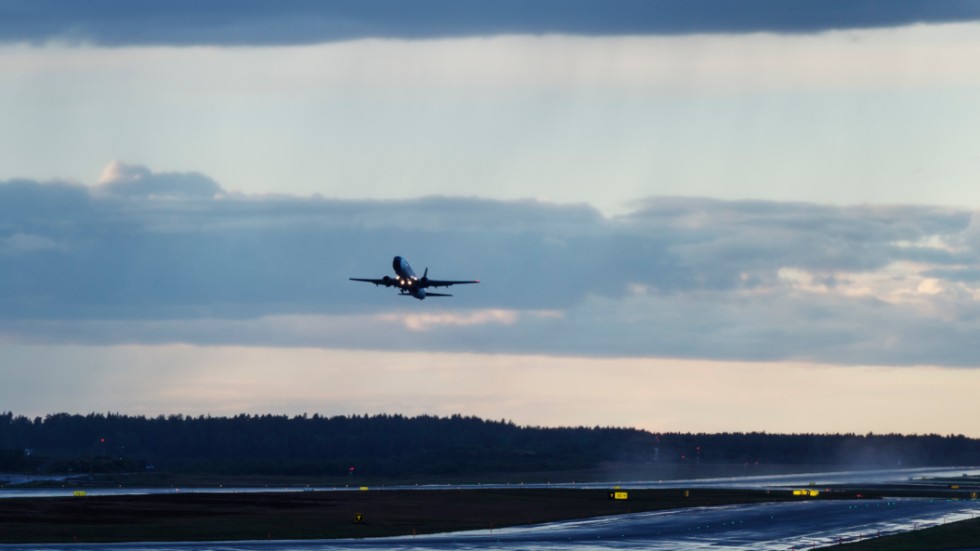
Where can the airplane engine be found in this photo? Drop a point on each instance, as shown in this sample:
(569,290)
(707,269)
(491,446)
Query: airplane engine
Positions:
(420,294)
(387,281)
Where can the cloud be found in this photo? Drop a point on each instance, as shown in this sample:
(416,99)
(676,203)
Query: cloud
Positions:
(227,23)
(26,242)
(677,277)
(765,235)
(138,181)
(428,322)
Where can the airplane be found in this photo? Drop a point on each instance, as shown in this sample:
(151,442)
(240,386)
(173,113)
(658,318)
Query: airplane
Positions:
(409,283)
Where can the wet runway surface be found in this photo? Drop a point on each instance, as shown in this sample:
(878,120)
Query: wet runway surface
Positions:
(798,525)
(771,481)
(763,526)
(774,526)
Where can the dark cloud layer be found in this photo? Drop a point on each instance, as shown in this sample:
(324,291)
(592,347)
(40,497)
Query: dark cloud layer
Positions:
(251,22)
(172,257)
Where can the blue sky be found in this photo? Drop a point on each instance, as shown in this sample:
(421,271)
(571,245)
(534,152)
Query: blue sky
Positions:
(685,216)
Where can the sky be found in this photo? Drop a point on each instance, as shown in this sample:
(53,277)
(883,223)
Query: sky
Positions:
(696,215)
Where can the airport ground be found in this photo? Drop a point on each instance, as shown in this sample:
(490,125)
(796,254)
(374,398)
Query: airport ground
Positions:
(340,514)
(232,512)
(960,536)
(327,514)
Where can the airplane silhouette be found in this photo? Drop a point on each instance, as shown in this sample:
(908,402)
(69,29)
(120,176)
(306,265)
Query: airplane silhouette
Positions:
(409,283)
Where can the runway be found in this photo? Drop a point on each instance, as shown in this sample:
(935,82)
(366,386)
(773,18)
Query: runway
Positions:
(799,525)
(743,527)
(769,526)
(880,476)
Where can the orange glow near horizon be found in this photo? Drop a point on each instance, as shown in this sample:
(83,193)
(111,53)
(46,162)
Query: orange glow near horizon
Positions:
(655,394)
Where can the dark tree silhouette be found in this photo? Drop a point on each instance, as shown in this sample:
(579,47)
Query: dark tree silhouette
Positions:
(395,445)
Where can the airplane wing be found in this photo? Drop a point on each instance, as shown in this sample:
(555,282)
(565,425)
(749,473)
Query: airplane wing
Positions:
(386,281)
(446,282)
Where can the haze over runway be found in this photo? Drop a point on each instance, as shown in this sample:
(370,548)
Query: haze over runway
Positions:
(683,217)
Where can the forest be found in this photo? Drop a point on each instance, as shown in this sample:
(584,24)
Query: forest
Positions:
(396,445)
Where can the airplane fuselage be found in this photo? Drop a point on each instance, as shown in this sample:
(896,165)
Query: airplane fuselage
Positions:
(407,281)
(403,268)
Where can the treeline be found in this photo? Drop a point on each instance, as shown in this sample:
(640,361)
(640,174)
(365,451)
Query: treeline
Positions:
(274,444)
(395,445)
